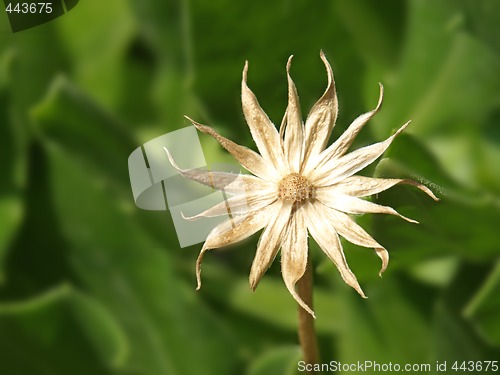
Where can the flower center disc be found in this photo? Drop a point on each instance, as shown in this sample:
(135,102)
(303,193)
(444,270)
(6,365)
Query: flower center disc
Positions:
(295,188)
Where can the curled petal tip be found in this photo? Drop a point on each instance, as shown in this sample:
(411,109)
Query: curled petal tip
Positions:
(195,123)
(431,194)
(408,219)
(383,254)
(380,97)
(382,270)
(289,63)
(198,280)
(325,60)
(422,187)
(405,125)
(245,72)
(290,284)
(304,306)
(331,84)
(295,295)
(198,267)
(360,291)
(170,158)
(362,294)
(253,283)
(189,218)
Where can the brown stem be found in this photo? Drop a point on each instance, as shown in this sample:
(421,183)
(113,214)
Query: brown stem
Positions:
(307,333)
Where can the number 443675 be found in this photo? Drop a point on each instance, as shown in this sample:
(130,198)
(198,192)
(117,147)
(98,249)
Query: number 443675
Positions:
(29,8)
(475,366)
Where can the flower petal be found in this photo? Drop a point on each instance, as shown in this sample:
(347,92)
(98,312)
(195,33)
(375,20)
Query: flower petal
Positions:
(294,252)
(232,231)
(342,144)
(270,241)
(319,223)
(264,133)
(337,169)
(229,182)
(353,233)
(241,204)
(249,159)
(294,128)
(360,186)
(353,205)
(321,118)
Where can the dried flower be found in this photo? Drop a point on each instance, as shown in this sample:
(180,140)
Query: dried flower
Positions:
(298,186)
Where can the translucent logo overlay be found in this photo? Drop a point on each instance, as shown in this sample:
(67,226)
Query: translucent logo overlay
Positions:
(157,185)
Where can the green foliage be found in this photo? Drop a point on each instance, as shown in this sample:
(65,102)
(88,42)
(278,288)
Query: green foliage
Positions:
(90,284)
(483,309)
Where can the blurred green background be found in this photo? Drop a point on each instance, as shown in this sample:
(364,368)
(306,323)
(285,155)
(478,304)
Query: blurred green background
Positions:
(90,284)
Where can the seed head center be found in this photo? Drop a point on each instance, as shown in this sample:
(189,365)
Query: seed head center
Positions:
(295,188)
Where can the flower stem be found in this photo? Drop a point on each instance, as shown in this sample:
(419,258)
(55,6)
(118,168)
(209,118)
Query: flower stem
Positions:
(307,333)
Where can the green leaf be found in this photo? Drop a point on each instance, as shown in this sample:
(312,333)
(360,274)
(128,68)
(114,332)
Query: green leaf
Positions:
(454,340)
(272,303)
(280,360)
(448,91)
(437,272)
(132,71)
(10,218)
(448,83)
(483,310)
(375,328)
(166,28)
(12,167)
(43,336)
(133,277)
(454,337)
(378,41)
(106,336)
(464,91)
(441,229)
(483,17)
(72,120)
(69,117)
(99,52)
(37,58)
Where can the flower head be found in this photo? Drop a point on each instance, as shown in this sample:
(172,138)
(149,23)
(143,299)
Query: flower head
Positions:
(298,186)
